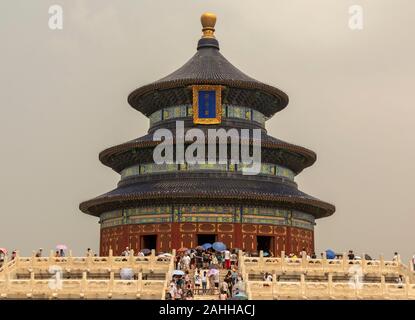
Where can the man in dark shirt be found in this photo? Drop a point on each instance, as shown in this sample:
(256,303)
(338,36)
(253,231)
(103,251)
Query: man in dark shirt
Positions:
(351,255)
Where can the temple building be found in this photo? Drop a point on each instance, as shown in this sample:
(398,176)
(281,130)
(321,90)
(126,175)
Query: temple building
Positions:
(173,205)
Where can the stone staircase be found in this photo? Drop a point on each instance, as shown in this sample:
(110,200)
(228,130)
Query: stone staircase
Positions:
(209,295)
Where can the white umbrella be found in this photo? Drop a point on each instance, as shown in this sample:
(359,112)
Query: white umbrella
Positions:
(127,274)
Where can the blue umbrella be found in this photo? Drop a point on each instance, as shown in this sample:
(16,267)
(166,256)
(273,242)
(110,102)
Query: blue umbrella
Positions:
(330,254)
(146,251)
(219,246)
(207,246)
(178,273)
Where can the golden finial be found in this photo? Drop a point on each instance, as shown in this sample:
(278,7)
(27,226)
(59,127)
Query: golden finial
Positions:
(208,22)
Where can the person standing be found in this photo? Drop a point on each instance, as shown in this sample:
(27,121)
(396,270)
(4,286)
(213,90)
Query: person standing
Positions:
(227,255)
(39,253)
(197,281)
(204,282)
(186,262)
(126,252)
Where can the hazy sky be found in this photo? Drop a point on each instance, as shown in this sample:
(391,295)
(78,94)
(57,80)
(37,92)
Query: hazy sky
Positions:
(63,99)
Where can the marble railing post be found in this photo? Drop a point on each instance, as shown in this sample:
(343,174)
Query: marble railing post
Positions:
(110,259)
(345,262)
(364,263)
(139,285)
(383,285)
(303,287)
(7,278)
(84,283)
(283,263)
(382,263)
(32,283)
(330,285)
(274,282)
(131,259)
(17,258)
(33,260)
(407,285)
(324,262)
(152,259)
(304,263)
(261,260)
(111,283)
(69,261)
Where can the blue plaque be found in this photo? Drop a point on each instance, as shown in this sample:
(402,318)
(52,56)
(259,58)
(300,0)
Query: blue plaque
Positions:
(207,105)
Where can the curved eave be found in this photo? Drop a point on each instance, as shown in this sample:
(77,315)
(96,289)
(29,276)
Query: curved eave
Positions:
(135,97)
(104,156)
(194,190)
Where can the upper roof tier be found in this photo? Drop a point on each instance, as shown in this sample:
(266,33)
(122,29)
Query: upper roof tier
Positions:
(208,66)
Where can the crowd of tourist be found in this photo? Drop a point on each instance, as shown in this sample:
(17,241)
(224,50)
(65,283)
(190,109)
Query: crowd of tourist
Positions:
(198,272)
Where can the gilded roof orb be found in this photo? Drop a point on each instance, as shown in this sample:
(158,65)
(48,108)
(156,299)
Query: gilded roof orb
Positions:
(208,20)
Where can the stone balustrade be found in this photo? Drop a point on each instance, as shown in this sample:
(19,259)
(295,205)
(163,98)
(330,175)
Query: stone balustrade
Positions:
(354,287)
(102,286)
(306,265)
(81,288)
(94,278)
(261,290)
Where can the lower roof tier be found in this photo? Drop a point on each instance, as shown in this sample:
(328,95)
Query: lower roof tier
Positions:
(197,190)
(140,150)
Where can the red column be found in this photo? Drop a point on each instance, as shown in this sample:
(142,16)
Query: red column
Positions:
(175,236)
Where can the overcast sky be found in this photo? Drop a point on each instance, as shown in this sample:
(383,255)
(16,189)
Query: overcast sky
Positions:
(63,99)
